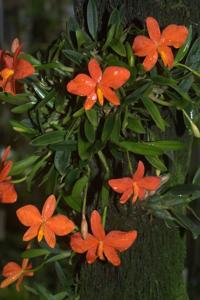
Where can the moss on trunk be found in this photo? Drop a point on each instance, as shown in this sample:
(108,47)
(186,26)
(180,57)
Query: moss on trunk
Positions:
(150,270)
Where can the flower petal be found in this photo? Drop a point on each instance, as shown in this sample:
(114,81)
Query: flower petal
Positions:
(121,185)
(120,240)
(15,45)
(91,255)
(9,87)
(111,255)
(23,69)
(11,268)
(166,55)
(126,195)
(90,101)
(150,183)
(139,173)
(5,154)
(5,170)
(29,215)
(153,29)
(79,245)
(95,70)
(96,225)
(7,192)
(115,77)
(81,85)
(174,35)
(49,236)
(9,280)
(31,233)
(142,46)
(8,60)
(49,207)
(60,225)
(150,61)
(110,95)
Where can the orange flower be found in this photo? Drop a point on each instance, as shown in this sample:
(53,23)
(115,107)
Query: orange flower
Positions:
(7,189)
(98,85)
(14,272)
(137,185)
(159,43)
(101,245)
(44,224)
(13,68)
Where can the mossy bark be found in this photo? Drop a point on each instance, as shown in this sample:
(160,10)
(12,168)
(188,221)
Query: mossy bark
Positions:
(153,268)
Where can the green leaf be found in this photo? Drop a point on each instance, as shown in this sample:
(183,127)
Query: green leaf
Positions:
(61,161)
(22,128)
(21,166)
(167,145)
(82,38)
(32,253)
(187,223)
(118,47)
(18,99)
(79,187)
(110,36)
(73,203)
(184,49)
(156,162)
(144,148)
(135,125)
(83,147)
(61,296)
(196,178)
(60,274)
(74,56)
(107,127)
(92,117)
(154,112)
(115,134)
(193,58)
(59,256)
(22,108)
(29,58)
(130,55)
(92,18)
(89,131)
(40,164)
(49,138)
(138,91)
(171,83)
(76,198)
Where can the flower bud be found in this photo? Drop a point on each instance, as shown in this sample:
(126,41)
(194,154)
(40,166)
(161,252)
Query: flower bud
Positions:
(84,227)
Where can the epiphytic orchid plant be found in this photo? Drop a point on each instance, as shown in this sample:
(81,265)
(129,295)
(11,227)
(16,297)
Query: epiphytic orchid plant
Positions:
(85,150)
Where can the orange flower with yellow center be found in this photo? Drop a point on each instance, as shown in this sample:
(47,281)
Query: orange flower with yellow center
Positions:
(159,43)
(98,85)
(101,245)
(44,225)
(7,190)
(13,68)
(14,272)
(135,186)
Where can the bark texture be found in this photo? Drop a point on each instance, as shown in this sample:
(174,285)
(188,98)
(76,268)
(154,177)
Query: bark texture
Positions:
(153,268)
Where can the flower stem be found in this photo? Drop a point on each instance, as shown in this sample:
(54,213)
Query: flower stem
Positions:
(129,162)
(85,200)
(104,215)
(104,162)
(188,68)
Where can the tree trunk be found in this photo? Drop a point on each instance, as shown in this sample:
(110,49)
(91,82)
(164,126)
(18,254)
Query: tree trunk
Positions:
(153,268)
